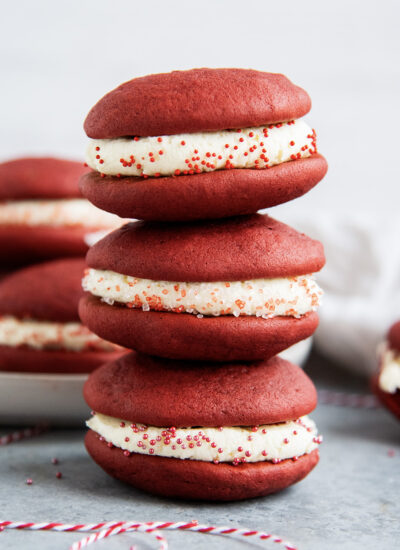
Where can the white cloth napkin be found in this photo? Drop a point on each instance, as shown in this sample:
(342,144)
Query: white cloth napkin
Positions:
(361,283)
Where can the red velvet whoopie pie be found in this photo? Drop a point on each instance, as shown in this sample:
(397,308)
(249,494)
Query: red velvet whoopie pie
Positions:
(40,330)
(42,212)
(386,384)
(222,290)
(200,144)
(160,425)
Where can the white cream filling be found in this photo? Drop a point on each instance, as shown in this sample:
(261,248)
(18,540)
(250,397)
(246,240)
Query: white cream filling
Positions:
(56,213)
(260,147)
(271,442)
(291,296)
(40,335)
(389,376)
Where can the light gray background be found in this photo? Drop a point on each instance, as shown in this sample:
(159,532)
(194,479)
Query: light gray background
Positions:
(59,58)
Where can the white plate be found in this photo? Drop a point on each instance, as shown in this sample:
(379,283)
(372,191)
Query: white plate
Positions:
(26,399)
(298,353)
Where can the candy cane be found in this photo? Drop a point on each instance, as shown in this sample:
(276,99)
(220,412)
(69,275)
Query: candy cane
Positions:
(343,399)
(114,528)
(65,527)
(140,527)
(23,434)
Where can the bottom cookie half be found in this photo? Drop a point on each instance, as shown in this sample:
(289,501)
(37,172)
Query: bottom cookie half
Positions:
(197,480)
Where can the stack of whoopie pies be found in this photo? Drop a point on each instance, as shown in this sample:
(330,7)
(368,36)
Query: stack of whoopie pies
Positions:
(203,408)
(43,216)
(42,213)
(40,330)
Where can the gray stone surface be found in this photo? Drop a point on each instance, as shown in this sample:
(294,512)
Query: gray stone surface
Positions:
(350,501)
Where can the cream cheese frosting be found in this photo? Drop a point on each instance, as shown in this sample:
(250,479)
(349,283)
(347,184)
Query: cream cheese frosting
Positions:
(389,375)
(56,213)
(41,335)
(236,444)
(291,296)
(260,147)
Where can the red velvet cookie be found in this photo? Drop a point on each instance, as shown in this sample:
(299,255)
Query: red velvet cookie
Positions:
(40,330)
(208,195)
(241,248)
(394,337)
(196,480)
(149,392)
(221,253)
(37,203)
(177,104)
(22,245)
(385,383)
(161,392)
(45,292)
(390,400)
(40,178)
(185,336)
(52,361)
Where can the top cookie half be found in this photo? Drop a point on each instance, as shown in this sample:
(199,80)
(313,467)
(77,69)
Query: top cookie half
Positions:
(204,143)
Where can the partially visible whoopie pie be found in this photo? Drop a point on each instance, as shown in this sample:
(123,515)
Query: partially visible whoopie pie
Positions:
(40,330)
(172,428)
(234,289)
(42,213)
(387,383)
(198,144)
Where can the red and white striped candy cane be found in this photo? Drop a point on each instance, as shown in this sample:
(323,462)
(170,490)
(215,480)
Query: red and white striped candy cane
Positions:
(344,399)
(105,533)
(63,527)
(118,527)
(182,526)
(22,434)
